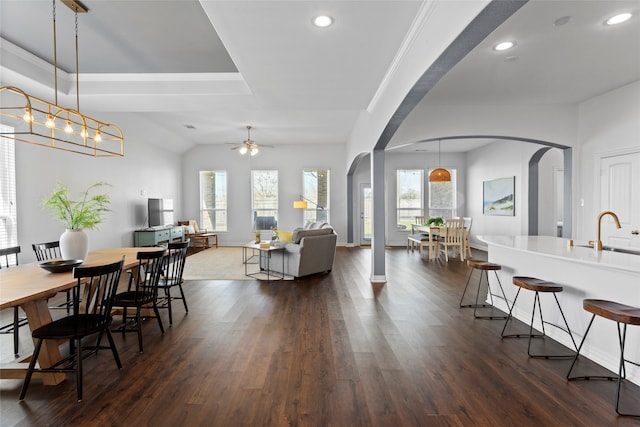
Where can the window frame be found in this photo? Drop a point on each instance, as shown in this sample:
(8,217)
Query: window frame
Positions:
(318,204)
(405,216)
(217,211)
(264,211)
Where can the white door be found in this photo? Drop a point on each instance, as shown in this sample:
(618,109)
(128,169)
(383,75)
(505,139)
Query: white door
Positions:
(366,226)
(620,193)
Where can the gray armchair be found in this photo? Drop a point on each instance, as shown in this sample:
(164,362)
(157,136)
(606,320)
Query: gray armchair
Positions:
(311,250)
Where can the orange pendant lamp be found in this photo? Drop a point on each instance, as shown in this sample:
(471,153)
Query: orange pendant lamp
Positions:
(439,174)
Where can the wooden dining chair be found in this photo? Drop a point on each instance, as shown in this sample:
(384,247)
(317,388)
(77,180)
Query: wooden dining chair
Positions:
(142,291)
(46,252)
(98,284)
(10,257)
(452,236)
(172,276)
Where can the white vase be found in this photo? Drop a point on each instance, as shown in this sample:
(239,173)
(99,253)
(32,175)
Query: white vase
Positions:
(74,244)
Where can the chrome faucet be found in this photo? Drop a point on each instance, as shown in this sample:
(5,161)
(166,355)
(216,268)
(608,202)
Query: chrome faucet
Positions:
(598,243)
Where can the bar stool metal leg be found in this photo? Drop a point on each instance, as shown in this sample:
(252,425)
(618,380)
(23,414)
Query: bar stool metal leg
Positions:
(483,267)
(538,286)
(617,312)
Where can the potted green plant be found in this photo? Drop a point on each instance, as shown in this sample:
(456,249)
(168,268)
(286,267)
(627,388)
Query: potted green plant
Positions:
(77,215)
(435,221)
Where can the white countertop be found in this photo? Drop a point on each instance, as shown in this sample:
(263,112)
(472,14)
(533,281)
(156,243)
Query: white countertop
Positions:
(556,247)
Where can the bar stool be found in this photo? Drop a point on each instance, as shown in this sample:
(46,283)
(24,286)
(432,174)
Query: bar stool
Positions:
(538,285)
(619,313)
(483,267)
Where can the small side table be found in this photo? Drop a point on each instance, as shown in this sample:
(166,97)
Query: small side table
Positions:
(249,254)
(201,240)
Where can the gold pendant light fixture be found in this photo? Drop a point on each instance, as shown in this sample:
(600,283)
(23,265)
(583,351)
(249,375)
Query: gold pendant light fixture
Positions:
(439,174)
(36,121)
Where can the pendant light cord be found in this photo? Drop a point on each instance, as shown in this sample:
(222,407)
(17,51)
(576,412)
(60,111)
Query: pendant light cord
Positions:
(77,73)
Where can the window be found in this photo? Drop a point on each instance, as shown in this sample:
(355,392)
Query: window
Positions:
(442,197)
(264,199)
(315,189)
(8,215)
(409,197)
(213,200)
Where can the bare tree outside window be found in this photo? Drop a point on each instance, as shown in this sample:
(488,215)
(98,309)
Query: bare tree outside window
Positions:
(315,188)
(409,197)
(213,200)
(442,197)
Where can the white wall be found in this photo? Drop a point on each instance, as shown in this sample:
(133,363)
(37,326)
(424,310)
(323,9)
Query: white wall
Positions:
(156,171)
(609,124)
(498,160)
(289,160)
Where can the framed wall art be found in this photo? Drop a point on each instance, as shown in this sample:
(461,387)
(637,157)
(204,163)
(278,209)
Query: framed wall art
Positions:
(498,196)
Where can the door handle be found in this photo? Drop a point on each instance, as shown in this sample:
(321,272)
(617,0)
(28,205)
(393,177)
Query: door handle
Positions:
(635,232)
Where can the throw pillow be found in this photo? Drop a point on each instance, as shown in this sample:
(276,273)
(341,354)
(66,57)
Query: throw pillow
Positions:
(285,236)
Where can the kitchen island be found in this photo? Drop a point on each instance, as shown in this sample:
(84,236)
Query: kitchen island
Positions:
(584,273)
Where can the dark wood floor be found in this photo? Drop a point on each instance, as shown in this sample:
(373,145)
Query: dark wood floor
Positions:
(331,350)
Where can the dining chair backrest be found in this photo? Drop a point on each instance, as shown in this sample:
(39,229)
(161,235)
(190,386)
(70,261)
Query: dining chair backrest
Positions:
(467,222)
(175,259)
(148,274)
(7,254)
(47,251)
(454,230)
(98,285)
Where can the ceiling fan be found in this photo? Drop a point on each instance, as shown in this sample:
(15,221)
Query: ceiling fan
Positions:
(249,146)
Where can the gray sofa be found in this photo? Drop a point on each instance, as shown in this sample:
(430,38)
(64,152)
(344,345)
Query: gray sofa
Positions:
(311,250)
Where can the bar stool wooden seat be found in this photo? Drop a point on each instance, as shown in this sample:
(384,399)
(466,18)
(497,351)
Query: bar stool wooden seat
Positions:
(539,286)
(621,314)
(483,267)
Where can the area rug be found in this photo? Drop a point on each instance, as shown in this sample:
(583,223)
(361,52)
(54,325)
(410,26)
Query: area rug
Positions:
(222,263)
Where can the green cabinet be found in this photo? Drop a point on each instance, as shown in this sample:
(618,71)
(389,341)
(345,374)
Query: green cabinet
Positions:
(157,236)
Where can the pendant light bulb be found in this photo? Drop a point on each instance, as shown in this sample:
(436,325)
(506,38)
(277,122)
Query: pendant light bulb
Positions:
(50,123)
(28,117)
(68,128)
(97,137)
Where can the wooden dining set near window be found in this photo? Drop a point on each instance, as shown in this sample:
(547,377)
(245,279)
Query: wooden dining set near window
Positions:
(129,283)
(440,239)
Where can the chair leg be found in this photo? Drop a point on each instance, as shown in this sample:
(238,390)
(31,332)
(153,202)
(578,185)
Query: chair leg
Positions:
(184,300)
(157,312)
(139,328)
(167,293)
(79,371)
(114,350)
(32,365)
(16,331)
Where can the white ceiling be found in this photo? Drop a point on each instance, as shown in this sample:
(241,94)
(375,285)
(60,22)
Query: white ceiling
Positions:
(221,65)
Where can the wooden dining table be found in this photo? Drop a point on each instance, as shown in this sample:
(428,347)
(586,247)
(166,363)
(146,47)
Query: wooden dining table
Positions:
(29,286)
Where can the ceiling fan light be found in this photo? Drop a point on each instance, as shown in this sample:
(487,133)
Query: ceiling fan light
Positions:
(619,19)
(243,150)
(439,175)
(254,151)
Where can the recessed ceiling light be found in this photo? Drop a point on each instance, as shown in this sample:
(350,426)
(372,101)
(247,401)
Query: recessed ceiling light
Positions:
(562,21)
(322,21)
(504,46)
(618,19)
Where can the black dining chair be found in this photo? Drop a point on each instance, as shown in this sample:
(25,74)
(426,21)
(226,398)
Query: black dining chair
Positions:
(98,285)
(142,291)
(14,327)
(46,252)
(172,276)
